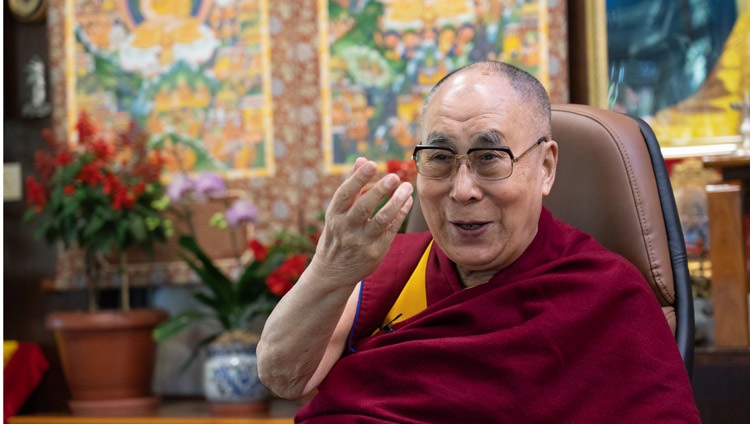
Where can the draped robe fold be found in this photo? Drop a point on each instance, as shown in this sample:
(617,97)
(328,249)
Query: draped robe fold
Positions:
(569,333)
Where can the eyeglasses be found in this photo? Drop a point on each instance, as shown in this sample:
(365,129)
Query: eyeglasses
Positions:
(487,163)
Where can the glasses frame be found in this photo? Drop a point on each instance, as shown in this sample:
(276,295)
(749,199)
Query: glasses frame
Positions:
(457,158)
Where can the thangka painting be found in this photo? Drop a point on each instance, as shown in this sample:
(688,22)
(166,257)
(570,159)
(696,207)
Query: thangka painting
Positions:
(195,74)
(380,58)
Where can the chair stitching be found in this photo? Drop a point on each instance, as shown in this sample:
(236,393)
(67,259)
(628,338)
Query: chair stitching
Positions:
(658,278)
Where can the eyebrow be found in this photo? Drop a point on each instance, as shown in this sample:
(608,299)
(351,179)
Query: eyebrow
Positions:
(488,137)
(492,138)
(439,139)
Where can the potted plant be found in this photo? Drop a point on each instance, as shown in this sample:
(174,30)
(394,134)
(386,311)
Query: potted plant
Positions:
(233,297)
(101,197)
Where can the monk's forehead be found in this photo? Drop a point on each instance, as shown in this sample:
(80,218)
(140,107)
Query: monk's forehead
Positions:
(470,84)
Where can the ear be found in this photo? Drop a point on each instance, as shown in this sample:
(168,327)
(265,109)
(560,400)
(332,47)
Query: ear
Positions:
(549,165)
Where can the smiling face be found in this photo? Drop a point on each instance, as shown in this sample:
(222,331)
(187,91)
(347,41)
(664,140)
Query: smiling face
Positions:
(483,226)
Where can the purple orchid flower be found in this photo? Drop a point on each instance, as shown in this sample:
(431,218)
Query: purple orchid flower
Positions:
(180,187)
(209,185)
(241,212)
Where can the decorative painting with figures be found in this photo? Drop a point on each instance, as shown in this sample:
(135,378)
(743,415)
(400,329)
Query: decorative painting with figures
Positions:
(195,74)
(380,58)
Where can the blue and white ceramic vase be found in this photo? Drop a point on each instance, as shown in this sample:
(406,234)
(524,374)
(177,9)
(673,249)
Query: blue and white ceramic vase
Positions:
(230,379)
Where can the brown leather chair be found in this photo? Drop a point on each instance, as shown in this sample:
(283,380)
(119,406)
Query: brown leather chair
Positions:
(613,184)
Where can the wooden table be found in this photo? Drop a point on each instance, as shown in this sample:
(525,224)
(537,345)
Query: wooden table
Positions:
(172,412)
(732,167)
(728,206)
(721,384)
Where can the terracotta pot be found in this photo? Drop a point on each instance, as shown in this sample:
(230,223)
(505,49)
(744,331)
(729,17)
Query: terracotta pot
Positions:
(107,355)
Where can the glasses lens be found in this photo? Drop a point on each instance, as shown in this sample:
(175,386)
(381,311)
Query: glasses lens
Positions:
(435,163)
(491,164)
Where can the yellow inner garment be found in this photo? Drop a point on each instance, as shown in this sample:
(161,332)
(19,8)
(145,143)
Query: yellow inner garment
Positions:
(9,348)
(413,297)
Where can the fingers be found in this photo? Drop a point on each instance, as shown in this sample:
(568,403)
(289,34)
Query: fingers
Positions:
(357,209)
(393,213)
(368,202)
(357,164)
(347,193)
(355,239)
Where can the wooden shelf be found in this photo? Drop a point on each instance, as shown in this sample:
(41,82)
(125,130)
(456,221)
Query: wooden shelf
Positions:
(710,356)
(728,208)
(726,161)
(721,384)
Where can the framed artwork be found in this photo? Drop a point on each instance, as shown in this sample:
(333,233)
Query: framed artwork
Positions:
(379,59)
(678,65)
(296,159)
(683,67)
(195,74)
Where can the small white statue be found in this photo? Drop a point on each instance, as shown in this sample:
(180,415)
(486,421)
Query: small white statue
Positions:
(37,107)
(744,108)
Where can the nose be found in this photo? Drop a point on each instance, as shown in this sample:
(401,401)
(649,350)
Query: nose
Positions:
(465,184)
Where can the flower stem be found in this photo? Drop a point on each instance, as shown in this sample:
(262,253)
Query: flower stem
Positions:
(92,285)
(124,283)
(235,247)
(233,240)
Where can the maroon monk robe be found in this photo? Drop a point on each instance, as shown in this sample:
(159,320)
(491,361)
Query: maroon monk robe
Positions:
(569,333)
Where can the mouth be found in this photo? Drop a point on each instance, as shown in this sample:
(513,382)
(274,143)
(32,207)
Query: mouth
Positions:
(469,226)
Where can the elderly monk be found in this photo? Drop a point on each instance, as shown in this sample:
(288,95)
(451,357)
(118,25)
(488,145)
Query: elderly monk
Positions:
(500,313)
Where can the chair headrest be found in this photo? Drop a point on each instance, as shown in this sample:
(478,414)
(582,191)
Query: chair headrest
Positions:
(605,185)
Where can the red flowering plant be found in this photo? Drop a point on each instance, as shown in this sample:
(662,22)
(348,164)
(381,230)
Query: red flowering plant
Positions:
(232,297)
(407,171)
(100,195)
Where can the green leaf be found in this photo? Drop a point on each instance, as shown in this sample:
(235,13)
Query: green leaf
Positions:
(209,301)
(210,275)
(176,324)
(196,350)
(138,228)
(252,283)
(29,216)
(218,220)
(94,225)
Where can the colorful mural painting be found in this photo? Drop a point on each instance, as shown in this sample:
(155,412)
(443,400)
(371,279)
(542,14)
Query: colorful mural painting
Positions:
(379,60)
(165,79)
(194,73)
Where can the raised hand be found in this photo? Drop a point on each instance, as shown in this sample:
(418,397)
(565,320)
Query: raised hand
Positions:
(354,241)
(306,333)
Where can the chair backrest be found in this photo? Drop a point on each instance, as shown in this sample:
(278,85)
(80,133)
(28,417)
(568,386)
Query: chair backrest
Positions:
(612,183)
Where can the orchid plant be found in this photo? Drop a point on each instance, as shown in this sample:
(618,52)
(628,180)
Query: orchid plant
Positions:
(263,273)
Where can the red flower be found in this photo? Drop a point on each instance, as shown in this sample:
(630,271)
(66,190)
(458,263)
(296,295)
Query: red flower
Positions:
(111,183)
(45,165)
(139,188)
(86,129)
(295,265)
(101,149)
(277,284)
(86,195)
(91,174)
(63,158)
(405,169)
(281,280)
(36,198)
(259,251)
(122,198)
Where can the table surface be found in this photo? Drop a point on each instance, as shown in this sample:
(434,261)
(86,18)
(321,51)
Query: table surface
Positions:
(726,161)
(191,411)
